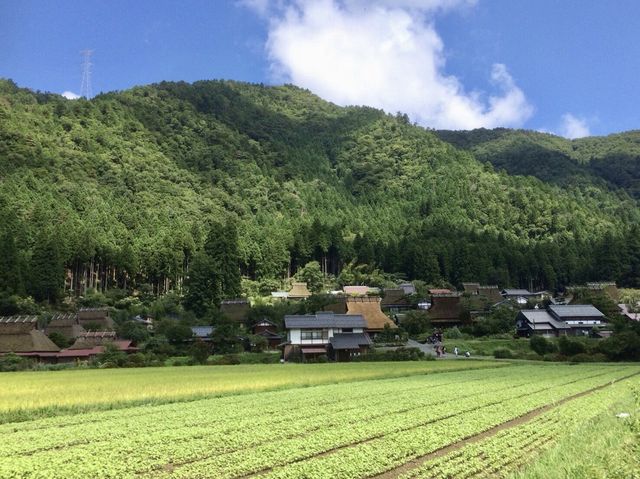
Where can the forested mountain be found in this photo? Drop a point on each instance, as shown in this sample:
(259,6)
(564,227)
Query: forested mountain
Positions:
(612,161)
(123,189)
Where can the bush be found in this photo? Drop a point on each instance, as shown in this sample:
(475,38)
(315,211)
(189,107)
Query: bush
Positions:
(541,345)
(13,362)
(583,358)
(452,333)
(400,354)
(554,357)
(200,352)
(503,353)
(570,347)
(622,346)
(136,360)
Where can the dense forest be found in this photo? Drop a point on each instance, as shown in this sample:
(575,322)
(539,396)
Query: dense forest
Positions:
(127,188)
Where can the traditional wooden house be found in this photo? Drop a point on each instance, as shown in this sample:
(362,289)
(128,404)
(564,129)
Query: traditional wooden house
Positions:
(94,319)
(236,309)
(65,324)
(268,330)
(19,335)
(520,296)
(92,344)
(339,336)
(298,291)
(369,308)
(560,320)
(395,300)
(471,288)
(446,309)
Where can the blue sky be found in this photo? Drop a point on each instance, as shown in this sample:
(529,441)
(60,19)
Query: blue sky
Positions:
(569,66)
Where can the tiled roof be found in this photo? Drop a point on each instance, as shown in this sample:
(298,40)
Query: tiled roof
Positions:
(350,340)
(575,310)
(325,319)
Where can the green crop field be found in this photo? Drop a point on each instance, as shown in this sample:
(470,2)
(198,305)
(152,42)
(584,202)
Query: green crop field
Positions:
(328,421)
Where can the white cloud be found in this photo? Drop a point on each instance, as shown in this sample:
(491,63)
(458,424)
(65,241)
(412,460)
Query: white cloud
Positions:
(69,95)
(386,54)
(574,127)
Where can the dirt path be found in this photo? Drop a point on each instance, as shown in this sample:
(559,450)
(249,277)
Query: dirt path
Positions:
(417,462)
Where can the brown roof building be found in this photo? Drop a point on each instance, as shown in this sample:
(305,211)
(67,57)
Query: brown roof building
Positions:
(18,334)
(369,309)
(299,291)
(95,318)
(66,324)
(445,309)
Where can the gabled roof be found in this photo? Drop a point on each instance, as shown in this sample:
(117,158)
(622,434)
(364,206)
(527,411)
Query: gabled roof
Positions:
(440,291)
(324,319)
(541,319)
(517,292)
(568,311)
(349,340)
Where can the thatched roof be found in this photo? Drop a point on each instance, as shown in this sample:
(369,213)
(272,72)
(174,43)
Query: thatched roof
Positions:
(471,287)
(17,324)
(369,308)
(299,291)
(395,297)
(65,324)
(95,318)
(492,293)
(95,338)
(30,342)
(445,307)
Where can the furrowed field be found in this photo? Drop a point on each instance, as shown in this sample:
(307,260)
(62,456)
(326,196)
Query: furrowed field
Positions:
(471,419)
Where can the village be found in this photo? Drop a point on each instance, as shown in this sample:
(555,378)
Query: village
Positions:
(348,324)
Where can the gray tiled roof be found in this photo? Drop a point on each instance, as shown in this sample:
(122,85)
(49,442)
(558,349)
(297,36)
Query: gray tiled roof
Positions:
(350,340)
(539,318)
(517,292)
(325,319)
(575,310)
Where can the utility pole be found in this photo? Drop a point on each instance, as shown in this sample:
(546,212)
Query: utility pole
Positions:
(85,85)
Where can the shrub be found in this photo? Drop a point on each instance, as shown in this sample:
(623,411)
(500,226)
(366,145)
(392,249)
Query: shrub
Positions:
(622,346)
(13,362)
(200,352)
(503,353)
(541,345)
(582,358)
(452,333)
(570,347)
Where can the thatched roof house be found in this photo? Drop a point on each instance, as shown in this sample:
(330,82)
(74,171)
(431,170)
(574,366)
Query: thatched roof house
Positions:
(66,324)
(95,318)
(93,338)
(299,291)
(445,309)
(369,309)
(18,334)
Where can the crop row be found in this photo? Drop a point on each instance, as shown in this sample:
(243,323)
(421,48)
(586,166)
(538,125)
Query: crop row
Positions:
(392,450)
(260,432)
(218,433)
(217,413)
(502,454)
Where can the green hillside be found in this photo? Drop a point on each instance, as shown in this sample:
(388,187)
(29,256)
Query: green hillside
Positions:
(612,161)
(122,190)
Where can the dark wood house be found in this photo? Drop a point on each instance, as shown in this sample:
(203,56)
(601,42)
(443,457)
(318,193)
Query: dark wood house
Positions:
(268,330)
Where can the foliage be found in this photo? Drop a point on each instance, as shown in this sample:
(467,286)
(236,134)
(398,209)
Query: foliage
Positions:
(416,322)
(200,351)
(311,274)
(570,347)
(541,345)
(59,340)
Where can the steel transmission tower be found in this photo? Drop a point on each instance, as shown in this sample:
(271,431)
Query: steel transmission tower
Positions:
(85,85)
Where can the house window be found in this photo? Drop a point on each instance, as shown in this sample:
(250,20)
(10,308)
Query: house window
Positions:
(311,334)
(347,330)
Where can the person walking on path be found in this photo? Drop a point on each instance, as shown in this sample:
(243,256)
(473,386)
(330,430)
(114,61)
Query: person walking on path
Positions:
(455,350)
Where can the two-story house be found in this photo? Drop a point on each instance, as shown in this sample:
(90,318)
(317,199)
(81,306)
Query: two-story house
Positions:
(338,336)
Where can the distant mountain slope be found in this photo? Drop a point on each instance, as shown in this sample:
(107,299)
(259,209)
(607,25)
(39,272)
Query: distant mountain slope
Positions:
(125,186)
(613,159)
